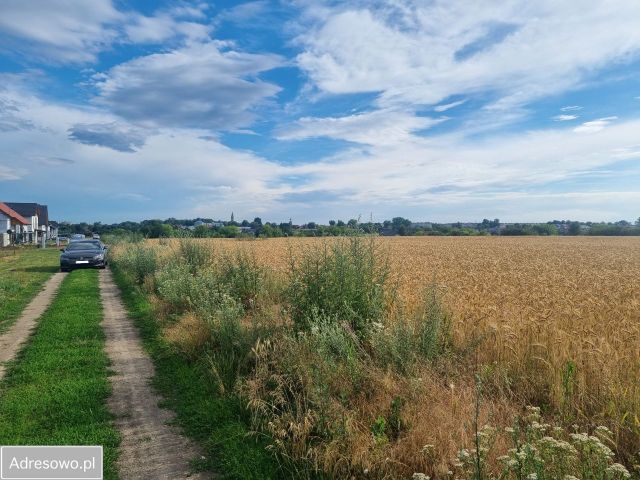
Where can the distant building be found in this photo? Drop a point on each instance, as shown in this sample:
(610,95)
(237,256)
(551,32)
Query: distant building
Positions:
(53,229)
(38,216)
(12,225)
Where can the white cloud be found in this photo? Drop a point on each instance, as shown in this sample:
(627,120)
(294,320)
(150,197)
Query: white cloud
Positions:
(407,51)
(76,31)
(167,24)
(195,11)
(245,12)
(9,116)
(437,177)
(7,173)
(594,126)
(448,170)
(202,85)
(564,118)
(379,127)
(175,162)
(58,30)
(571,108)
(448,106)
(626,153)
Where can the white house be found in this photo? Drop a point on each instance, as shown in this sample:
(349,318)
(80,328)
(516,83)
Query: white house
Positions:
(12,225)
(38,217)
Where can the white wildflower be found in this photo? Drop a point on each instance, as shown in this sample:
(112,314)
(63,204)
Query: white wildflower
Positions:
(377,326)
(420,476)
(618,471)
(464,454)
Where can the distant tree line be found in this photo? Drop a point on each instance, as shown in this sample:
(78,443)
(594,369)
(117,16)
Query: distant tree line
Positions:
(208,228)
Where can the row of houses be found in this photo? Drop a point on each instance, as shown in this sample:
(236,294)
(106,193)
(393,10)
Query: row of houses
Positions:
(25,223)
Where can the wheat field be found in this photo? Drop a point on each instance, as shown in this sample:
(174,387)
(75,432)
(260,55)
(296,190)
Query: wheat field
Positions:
(549,322)
(557,318)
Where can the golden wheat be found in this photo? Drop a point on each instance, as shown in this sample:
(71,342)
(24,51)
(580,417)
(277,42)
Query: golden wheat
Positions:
(552,321)
(560,316)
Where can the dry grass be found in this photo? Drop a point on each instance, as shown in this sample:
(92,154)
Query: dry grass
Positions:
(189,333)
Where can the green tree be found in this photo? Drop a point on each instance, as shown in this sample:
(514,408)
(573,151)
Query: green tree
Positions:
(167,231)
(286,228)
(202,231)
(574,228)
(229,231)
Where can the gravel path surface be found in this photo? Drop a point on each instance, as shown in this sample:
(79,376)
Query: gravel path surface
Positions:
(150,448)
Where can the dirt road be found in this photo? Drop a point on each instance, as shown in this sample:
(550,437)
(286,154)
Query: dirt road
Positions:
(12,340)
(150,448)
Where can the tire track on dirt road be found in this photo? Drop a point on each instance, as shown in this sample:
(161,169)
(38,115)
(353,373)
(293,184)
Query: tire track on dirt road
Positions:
(13,339)
(150,448)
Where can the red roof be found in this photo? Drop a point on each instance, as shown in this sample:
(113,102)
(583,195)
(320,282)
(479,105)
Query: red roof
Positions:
(13,214)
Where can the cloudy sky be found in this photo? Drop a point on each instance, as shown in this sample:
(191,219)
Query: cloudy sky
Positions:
(315,109)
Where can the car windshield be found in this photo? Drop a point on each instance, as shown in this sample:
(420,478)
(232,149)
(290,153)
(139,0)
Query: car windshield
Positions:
(83,246)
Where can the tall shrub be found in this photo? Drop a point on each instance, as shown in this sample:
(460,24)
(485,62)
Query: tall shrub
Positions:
(344,280)
(139,261)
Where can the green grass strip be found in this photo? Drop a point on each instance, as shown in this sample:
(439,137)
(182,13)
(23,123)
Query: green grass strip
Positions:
(55,391)
(21,277)
(219,423)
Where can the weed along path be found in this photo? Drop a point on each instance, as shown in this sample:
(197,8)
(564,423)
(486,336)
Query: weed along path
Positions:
(150,448)
(13,339)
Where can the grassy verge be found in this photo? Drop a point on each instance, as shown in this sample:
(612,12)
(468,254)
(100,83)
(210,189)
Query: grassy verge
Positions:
(218,422)
(55,391)
(21,277)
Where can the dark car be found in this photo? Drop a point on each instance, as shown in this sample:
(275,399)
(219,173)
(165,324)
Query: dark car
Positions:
(95,242)
(88,253)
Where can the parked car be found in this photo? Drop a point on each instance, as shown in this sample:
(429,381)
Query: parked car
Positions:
(82,254)
(95,236)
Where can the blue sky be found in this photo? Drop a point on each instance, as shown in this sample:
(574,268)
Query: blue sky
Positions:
(313,110)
